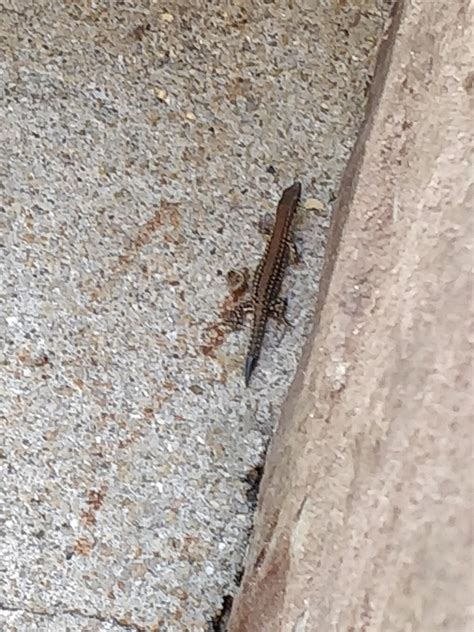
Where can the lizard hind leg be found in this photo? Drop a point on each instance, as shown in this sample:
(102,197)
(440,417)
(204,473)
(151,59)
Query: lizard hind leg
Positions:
(235,318)
(278,311)
(238,283)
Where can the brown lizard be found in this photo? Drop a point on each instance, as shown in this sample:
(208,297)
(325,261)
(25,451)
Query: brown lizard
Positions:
(265,301)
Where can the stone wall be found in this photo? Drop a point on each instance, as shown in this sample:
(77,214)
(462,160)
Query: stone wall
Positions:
(364,519)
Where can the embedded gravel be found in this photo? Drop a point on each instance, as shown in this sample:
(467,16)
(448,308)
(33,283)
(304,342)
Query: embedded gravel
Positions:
(142,143)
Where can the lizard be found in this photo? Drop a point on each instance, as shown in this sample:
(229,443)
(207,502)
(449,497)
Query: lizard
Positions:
(265,301)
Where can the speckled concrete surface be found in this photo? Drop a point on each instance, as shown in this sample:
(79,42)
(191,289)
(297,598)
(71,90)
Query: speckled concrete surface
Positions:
(142,142)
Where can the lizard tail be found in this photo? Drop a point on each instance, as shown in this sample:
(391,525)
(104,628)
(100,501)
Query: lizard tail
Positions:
(250,363)
(254,348)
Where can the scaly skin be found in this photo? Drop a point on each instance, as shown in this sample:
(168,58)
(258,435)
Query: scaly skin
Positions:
(269,276)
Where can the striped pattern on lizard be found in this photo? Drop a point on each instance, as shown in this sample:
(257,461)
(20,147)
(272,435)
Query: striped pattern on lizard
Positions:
(265,301)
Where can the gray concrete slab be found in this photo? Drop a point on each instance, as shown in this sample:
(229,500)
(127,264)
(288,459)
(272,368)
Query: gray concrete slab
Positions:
(141,144)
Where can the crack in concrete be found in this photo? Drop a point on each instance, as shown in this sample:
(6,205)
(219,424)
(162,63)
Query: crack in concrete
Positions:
(121,623)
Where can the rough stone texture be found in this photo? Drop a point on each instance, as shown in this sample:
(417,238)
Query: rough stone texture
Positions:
(141,143)
(364,520)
